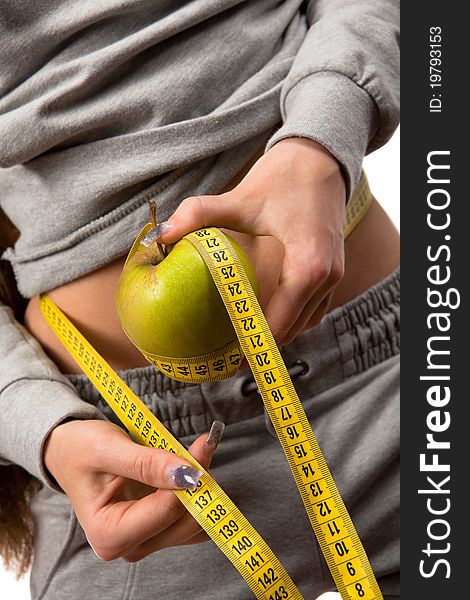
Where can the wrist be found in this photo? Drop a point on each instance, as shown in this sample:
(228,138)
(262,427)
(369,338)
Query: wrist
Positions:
(311,153)
(53,447)
(312,162)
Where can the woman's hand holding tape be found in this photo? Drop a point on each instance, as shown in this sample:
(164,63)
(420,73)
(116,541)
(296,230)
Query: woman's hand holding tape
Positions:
(121,491)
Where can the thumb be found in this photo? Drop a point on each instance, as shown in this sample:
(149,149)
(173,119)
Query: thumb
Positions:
(156,467)
(226,210)
(153,466)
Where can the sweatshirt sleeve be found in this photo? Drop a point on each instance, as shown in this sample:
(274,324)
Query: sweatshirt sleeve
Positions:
(35,397)
(343,87)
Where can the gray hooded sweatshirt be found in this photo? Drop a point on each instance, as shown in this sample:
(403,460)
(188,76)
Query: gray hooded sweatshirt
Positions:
(106,104)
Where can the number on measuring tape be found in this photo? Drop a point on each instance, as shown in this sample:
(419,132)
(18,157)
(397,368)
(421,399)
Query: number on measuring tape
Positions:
(279,594)
(220,256)
(212,243)
(228,272)
(229,529)
(235,359)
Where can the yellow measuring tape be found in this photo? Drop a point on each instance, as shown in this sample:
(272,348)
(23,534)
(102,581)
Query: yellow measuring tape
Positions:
(209,504)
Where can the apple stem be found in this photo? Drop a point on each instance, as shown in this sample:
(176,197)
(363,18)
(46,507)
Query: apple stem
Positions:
(152,206)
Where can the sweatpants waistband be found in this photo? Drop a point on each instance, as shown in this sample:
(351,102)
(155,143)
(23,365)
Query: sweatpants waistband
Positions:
(350,339)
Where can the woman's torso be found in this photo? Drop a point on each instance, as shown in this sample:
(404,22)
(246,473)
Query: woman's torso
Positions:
(371,253)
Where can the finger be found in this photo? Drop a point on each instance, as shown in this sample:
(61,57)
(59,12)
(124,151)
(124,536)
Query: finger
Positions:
(313,313)
(225,210)
(316,308)
(322,310)
(119,455)
(302,275)
(117,528)
(183,530)
(199,538)
(181,533)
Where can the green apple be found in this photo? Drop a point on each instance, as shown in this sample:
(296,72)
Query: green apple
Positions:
(172,308)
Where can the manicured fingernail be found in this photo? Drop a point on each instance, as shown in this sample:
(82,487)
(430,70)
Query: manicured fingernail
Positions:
(185,477)
(156,233)
(215,435)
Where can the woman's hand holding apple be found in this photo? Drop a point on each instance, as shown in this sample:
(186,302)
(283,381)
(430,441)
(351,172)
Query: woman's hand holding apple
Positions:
(289,214)
(121,491)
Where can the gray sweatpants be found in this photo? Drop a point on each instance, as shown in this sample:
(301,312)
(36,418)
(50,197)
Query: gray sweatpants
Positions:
(346,372)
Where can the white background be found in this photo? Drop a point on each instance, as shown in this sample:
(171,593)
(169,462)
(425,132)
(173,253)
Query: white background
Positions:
(383,170)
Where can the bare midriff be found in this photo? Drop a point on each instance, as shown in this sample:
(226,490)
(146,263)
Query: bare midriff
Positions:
(371,253)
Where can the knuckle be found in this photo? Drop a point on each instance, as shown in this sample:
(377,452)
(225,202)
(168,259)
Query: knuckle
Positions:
(194,207)
(108,551)
(105,554)
(174,511)
(170,511)
(100,444)
(104,551)
(299,278)
(337,271)
(145,467)
(320,269)
(133,557)
(161,461)
(307,281)
(93,534)
(310,279)
(309,270)
(281,332)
